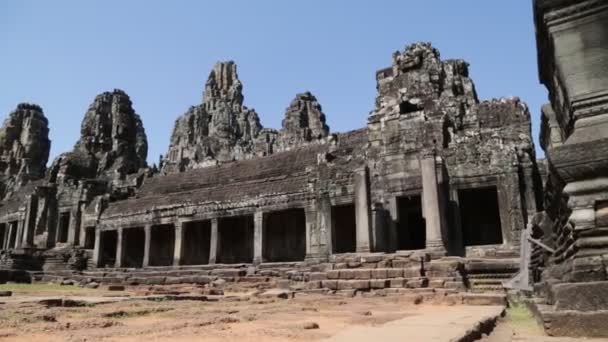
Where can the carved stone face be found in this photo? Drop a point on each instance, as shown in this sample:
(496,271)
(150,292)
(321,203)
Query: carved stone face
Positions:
(222,122)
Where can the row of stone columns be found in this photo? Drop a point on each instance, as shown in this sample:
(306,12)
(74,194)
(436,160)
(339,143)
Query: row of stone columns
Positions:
(318,222)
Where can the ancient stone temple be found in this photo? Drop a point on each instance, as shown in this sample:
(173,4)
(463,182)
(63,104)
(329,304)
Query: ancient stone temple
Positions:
(434,190)
(568,266)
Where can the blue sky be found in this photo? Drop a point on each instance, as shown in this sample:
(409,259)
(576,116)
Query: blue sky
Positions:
(61,54)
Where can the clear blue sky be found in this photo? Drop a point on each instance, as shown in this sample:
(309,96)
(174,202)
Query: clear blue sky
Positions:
(61,54)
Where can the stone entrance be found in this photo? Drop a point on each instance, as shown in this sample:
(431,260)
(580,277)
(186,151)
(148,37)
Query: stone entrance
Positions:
(284,237)
(162,244)
(235,239)
(196,242)
(411,228)
(134,247)
(480,216)
(108,244)
(343,228)
(63,227)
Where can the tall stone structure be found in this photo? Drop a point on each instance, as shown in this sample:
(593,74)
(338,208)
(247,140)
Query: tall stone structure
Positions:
(112,142)
(221,129)
(570,273)
(434,172)
(304,122)
(24,147)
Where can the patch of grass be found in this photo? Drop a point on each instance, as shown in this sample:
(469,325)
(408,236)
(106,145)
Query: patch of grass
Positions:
(45,289)
(520,317)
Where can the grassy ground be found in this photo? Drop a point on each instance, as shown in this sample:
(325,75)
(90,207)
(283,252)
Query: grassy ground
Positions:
(44,289)
(520,318)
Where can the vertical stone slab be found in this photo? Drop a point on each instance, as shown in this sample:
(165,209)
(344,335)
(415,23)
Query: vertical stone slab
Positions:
(392,228)
(19,237)
(82,234)
(11,231)
(258,238)
(147,240)
(430,202)
(74,228)
(312,231)
(30,221)
(324,225)
(362,210)
(214,241)
(179,242)
(119,248)
(97,248)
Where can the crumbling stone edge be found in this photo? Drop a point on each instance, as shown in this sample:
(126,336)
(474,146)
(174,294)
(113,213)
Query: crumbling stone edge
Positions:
(483,327)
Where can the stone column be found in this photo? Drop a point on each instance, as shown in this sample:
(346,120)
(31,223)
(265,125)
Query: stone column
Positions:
(9,235)
(3,238)
(119,246)
(178,246)
(312,233)
(362,210)
(392,229)
(258,236)
(19,237)
(97,248)
(82,234)
(74,227)
(214,241)
(324,226)
(147,239)
(430,202)
(30,221)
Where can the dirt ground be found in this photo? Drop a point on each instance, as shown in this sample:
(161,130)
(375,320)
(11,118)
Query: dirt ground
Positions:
(238,315)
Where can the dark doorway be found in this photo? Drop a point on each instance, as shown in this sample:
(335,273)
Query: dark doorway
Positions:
(284,236)
(411,228)
(109,239)
(480,216)
(196,242)
(134,241)
(235,239)
(63,227)
(343,229)
(89,238)
(3,232)
(162,245)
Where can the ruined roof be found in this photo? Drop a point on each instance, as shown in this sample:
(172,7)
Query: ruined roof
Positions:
(276,174)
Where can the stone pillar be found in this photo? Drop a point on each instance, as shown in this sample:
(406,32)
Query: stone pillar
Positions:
(178,246)
(147,239)
(312,232)
(97,248)
(9,236)
(19,237)
(4,237)
(119,247)
(74,227)
(214,241)
(258,236)
(30,221)
(82,234)
(324,226)
(362,210)
(393,243)
(430,202)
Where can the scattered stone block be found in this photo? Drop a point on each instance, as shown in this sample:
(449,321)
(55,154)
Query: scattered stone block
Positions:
(379,283)
(317,276)
(6,293)
(394,273)
(330,284)
(116,288)
(380,273)
(397,282)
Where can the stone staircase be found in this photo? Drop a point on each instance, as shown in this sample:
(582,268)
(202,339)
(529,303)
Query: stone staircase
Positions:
(341,273)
